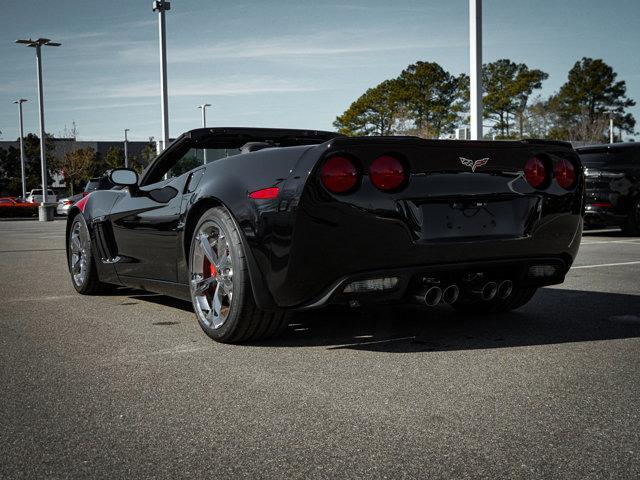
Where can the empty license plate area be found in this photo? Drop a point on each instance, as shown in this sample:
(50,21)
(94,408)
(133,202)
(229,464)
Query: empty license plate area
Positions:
(478,218)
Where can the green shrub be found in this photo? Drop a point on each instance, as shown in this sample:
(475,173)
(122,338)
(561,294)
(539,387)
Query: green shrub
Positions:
(14,211)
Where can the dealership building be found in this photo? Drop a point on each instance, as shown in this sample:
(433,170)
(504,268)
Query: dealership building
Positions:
(63,146)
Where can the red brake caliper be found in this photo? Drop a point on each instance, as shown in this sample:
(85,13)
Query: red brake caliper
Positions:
(208,271)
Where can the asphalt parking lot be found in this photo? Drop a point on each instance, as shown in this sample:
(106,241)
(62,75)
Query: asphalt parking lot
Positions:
(128,386)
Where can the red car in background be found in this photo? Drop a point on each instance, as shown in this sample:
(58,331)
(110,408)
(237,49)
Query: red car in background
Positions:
(15,202)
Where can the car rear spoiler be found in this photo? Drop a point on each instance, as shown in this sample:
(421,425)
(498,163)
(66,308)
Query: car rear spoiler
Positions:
(238,136)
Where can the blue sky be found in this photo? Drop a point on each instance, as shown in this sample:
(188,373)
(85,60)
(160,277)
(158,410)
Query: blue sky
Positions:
(277,63)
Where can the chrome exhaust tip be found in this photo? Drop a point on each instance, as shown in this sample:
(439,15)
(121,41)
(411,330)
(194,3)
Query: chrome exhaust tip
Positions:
(433,296)
(450,294)
(489,291)
(505,288)
(430,297)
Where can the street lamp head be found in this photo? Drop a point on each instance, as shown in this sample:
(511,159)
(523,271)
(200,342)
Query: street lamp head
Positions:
(21,100)
(39,42)
(161,6)
(204,105)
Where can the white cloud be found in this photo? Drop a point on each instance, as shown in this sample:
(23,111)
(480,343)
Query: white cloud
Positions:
(229,86)
(102,106)
(291,47)
(66,37)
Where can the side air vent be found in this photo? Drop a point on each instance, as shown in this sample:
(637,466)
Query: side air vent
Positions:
(105,242)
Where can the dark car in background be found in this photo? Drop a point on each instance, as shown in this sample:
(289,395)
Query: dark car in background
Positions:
(99,183)
(612,175)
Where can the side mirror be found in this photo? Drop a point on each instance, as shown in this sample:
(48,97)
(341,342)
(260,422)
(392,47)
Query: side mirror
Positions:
(124,176)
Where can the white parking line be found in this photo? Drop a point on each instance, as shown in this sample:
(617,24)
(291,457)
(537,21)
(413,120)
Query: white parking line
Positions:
(388,340)
(636,241)
(40,299)
(606,265)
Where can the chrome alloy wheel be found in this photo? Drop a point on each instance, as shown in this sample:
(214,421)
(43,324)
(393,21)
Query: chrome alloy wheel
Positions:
(79,248)
(211,275)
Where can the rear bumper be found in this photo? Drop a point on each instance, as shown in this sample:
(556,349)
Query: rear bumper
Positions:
(607,205)
(599,216)
(411,278)
(605,216)
(325,258)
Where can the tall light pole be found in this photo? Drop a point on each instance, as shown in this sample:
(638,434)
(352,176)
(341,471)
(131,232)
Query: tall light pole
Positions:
(37,44)
(475,53)
(611,112)
(203,107)
(24,181)
(161,6)
(126,149)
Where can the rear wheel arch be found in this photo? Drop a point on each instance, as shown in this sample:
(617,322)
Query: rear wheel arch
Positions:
(194,214)
(261,293)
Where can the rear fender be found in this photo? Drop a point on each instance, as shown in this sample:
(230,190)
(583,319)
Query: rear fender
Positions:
(228,183)
(198,206)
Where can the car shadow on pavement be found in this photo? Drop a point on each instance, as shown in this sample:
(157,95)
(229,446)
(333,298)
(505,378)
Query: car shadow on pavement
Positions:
(133,297)
(553,316)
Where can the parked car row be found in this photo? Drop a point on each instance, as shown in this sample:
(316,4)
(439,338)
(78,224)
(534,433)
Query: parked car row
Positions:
(34,196)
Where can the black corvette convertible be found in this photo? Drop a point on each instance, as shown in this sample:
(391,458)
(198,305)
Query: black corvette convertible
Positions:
(282,220)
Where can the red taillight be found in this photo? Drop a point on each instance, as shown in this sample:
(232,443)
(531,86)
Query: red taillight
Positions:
(265,194)
(565,173)
(387,173)
(339,174)
(535,172)
(68,202)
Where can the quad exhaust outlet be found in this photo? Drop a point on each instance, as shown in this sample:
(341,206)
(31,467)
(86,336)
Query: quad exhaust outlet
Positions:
(450,294)
(432,295)
(486,291)
(505,288)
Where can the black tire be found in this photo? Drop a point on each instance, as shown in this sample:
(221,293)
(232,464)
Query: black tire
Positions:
(244,321)
(89,283)
(632,227)
(518,298)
